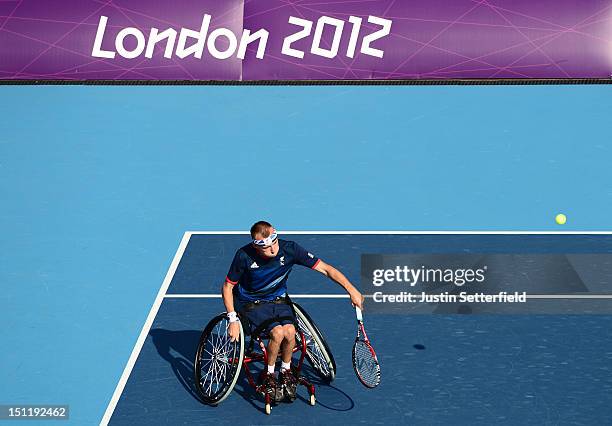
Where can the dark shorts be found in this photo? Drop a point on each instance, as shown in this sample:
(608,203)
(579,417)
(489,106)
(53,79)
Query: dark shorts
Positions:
(266,311)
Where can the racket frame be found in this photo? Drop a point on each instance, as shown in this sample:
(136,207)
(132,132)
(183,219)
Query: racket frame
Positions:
(362,336)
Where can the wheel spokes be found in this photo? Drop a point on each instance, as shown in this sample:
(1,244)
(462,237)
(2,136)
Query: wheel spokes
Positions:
(316,356)
(215,365)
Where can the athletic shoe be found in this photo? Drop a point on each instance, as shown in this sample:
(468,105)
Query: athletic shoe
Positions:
(288,384)
(270,386)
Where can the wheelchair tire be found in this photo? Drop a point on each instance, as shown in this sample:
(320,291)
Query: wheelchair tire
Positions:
(318,352)
(218,361)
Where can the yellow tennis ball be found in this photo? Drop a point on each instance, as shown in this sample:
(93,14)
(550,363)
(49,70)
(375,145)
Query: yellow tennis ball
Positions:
(560,219)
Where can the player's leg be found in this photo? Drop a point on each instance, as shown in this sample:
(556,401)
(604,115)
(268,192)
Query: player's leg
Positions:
(287,379)
(277,335)
(258,316)
(268,377)
(288,343)
(284,311)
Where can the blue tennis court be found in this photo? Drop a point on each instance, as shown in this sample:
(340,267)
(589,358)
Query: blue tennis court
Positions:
(99,184)
(461,369)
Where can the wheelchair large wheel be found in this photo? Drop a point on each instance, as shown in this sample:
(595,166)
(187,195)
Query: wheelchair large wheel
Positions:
(318,353)
(218,361)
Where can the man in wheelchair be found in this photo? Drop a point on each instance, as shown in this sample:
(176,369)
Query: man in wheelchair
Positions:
(260,270)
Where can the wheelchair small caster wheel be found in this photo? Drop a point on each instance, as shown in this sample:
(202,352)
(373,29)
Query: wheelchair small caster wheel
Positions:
(268,409)
(312,399)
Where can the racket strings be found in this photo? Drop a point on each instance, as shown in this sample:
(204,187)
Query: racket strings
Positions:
(366,364)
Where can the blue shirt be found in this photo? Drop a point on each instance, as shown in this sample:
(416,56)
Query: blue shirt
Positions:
(260,278)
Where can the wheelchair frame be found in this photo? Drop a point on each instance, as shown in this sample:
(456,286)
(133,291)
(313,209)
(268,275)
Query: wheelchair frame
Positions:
(240,359)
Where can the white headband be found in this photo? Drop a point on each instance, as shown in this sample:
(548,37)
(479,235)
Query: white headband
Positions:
(268,241)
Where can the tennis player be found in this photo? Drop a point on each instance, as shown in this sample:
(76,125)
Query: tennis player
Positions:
(260,270)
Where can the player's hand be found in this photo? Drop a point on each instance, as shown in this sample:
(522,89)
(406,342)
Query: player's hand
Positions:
(357,299)
(234,331)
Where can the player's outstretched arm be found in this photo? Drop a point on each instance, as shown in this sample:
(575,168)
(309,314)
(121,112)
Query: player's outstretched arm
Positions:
(338,277)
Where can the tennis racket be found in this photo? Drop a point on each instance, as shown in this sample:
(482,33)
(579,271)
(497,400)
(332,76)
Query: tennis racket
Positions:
(365,361)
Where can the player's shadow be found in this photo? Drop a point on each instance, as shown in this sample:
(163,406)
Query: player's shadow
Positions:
(178,348)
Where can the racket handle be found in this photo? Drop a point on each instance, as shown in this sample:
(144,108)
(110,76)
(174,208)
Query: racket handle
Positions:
(359,315)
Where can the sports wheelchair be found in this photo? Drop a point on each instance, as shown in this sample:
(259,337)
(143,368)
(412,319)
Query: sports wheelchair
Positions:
(218,360)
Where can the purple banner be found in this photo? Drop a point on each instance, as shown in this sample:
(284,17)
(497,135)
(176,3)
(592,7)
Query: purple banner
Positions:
(304,40)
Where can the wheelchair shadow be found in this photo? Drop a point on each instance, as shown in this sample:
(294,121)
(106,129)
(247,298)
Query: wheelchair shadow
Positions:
(178,348)
(328,395)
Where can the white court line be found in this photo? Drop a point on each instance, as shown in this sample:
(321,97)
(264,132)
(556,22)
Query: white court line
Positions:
(145,331)
(569,296)
(346,296)
(293,296)
(411,232)
(181,249)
